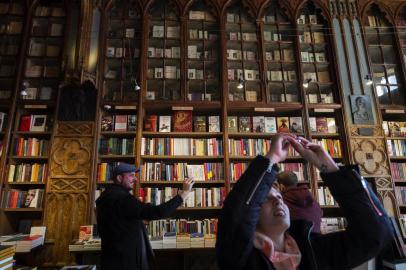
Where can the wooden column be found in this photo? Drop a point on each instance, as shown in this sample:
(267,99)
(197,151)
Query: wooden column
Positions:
(68,188)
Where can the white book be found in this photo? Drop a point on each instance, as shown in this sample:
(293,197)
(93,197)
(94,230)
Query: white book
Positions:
(313,125)
(270,125)
(158,31)
(165,123)
(196,172)
(38,123)
(214,123)
(192,51)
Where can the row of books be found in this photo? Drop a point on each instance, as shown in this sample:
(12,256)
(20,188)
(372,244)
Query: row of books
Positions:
(44,11)
(400,193)
(160,171)
(11,8)
(158,31)
(24,147)
(398,171)
(322,76)
(38,47)
(332,146)
(239,74)
(181,146)
(252,147)
(278,75)
(324,98)
(307,19)
(233,54)
(182,122)
(201,15)
(314,37)
(35,93)
(15,198)
(276,55)
(323,125)
(116,146)
(33,122)
(171,52)
(199,52)
(261,124)
(236,18)
(171,240)
(8,48)
(105,171)
(27,172)
(7,257)
(199,34)
(375,21)
(394,129)
(157,228)
(38,69)
(237,169)
(118,52)
(45,28)
(120,33)
(119,122)
(329,225)
(313,57)
(11,28)
(242,36)
(396,148)
(198,197)
(168,72)
(324,197)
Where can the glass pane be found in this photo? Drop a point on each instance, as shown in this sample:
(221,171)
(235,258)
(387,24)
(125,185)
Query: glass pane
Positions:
(292,93)
(393,75)
(372,36)
(379,75)
(382,93)
(389,55)
(275,92)
(312,93)
(375,54)
(112,90)
(326,94)
(397,94)
(252,91)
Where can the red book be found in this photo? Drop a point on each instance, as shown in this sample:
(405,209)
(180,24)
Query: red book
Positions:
(25,123)
(182,121)
(151,123)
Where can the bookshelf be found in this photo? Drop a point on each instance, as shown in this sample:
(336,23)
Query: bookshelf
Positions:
(27,160)
(164,79)
(11,30)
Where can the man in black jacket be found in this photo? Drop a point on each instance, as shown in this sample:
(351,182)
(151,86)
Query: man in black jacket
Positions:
(125,244)
(253,225)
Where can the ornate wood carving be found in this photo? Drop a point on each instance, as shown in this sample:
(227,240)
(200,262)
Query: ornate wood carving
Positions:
(67,198)
(387,195)
(377,130)
(370,154)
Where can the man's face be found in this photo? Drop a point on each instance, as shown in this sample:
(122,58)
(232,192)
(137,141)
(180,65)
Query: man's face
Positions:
(274,213)
(30,196)
(127,180)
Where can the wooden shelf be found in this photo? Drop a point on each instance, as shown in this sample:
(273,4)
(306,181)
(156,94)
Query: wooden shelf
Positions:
(199,208)
(25,183)
(105,183)
(168,183)
(33,133)
(398,158)
(22,209)
(29,157)
(255,135)
(332,106)
(119,133)
(182,157)
(395,138)
(250,158)
(182,134)
(117,156)
(325,135)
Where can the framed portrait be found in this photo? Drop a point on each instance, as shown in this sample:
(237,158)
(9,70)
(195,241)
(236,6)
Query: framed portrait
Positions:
(361,109)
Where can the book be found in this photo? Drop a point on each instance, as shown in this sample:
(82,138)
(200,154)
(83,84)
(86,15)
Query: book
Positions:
(25,123)
(45,93)
(312,124)
(214,123)
(182,121)
(258,124)
(2,120)
(321,124)
(251,95)
(244,124)
(232,124)
(150,123)
(165,123)
(283,124)
(120,123)
(270,125)
(85,233)
(38,123)
(199,124)
(31,93)
(296,125)
(132,122)
(331,125)
(107,123)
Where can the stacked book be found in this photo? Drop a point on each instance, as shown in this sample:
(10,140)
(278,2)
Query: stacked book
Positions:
(29,242)
(7,257)
(197,240)
(209,240)
(169,240)
(183,240)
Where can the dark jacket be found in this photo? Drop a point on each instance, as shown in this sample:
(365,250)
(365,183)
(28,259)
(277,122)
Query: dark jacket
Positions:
(120,216)
(303,206)
(367,233)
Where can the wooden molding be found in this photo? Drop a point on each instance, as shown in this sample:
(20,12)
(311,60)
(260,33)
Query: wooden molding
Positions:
(371,156)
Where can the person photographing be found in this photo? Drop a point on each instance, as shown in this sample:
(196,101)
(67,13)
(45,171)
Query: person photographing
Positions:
(255,230)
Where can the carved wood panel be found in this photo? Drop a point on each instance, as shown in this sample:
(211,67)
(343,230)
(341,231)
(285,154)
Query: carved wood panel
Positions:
(370,154)
(67,198)
(387,195)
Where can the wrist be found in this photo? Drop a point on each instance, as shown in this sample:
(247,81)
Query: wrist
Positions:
(272,158)
(328,167)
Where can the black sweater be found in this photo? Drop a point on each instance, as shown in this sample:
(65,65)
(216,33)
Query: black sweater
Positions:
(367,233)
